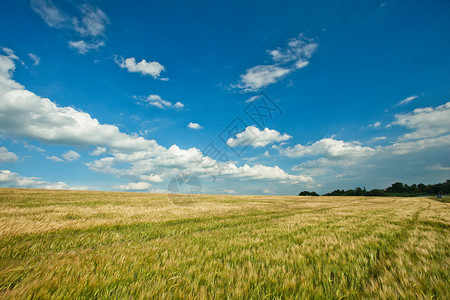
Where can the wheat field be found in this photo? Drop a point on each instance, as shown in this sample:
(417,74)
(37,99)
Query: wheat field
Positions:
(109,245)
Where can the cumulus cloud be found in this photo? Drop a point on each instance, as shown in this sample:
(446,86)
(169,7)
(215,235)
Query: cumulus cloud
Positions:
(323,165)
(403,161)
(66,156)
(71,155)
(419,145)
(425,122)
(257,138)
(194,126)
(7,67)
(151,178)
(12,179)
(134,186)
(6,156)
(157,101)
(98,151)
(408,158)
(294,56)
(261,172)
(24,114)
(152,68)
(328,147)
(170,162)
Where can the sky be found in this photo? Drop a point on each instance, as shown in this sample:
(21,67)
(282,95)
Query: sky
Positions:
(247,97)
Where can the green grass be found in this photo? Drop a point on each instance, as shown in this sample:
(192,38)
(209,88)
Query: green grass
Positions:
(67,244)
(445,199)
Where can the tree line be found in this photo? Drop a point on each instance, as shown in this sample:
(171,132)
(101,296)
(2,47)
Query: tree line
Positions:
(396,189)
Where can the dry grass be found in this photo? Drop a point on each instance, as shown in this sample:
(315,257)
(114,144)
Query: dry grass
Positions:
(75,244)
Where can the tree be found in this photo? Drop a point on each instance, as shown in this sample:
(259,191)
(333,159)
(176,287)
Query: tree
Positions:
(306,193)
(396,188)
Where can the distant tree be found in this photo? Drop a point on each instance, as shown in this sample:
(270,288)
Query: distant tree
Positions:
(307,193)
(376,192)
(396,188)
(421,187)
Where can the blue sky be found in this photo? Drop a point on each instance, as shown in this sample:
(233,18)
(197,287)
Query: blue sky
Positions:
(254,97)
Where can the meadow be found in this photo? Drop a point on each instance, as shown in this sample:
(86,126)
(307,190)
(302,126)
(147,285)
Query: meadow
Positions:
(105,245)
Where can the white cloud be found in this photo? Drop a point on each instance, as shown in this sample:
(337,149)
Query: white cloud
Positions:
(84,47)
(425,122)
(331,148)
(257,138)
(36,59)
(403,161)
(24,114)
(49,13)
(134,186)
(419,145)
(152,68)
(71,155)
(294,56)
(440,168)
(98,151)
(252,99)
(6,156)
(55,158)
(151,178)
(32,147)
(93,22)
(378,138)
(7,67)
(68,156)
(194,126)
(11,179)
(9,53)
(229,191)
(375,125)
(407,100)
(322,165)
(261,76)
(90,24)
(157,101)
(298,50)
(409,157)
(170,162)
(260,172)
